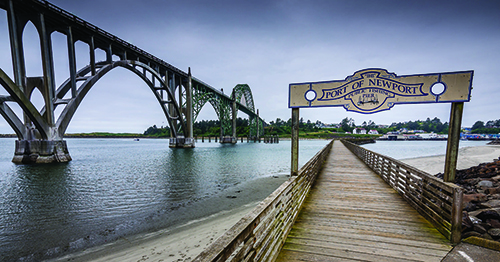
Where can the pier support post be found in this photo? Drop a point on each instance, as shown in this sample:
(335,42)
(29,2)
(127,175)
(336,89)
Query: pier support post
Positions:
(189,105)
(181,142)
(295,141)
(450,165)
(233,109)
(41,152)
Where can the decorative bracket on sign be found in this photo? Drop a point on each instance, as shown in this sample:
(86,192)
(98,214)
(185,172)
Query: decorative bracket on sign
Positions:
(373,90)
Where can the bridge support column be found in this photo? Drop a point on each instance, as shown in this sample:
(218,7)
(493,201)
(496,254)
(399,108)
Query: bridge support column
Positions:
(228,140)
(233,105)
(189,106)
(41,152)
(181,142)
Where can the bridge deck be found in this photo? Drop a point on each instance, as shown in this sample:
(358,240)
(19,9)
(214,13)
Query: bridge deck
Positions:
(351,214)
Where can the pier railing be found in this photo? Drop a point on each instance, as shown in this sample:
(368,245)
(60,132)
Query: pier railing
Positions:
(259,235)
(439,202)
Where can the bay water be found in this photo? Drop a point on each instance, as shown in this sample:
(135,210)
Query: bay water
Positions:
(115,188)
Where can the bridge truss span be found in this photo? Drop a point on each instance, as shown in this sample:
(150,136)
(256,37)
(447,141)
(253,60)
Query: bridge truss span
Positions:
(40,132)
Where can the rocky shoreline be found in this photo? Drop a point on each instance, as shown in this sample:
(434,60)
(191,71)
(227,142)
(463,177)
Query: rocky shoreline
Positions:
(481,213)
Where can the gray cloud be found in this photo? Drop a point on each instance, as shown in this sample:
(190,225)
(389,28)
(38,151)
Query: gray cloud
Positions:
(269,44)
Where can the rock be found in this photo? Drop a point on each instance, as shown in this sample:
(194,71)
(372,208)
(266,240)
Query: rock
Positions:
(488,214)
(474,198)
(475,213)
(490,204)
(471,234)
(485,183)
(496,178)
(480,229)
(474,220)
(492,191)
(487,236)
(493,222)
(470,207)
(495,196)
(471,181)
(494,232)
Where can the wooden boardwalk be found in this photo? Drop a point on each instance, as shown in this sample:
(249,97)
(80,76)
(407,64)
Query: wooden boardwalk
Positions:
(351,214)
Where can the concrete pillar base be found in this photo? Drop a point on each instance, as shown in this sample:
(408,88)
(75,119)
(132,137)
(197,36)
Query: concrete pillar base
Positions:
(41,152)
(228,140)
(181,142)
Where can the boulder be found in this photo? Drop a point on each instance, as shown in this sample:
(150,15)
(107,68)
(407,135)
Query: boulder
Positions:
(474,198)
(488,214)
(490,203)
(471,234)
(480,229)
(492,191)
(485,183)
(493,222)
(494,232)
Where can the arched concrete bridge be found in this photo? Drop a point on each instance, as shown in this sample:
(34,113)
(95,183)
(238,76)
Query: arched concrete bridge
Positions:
(40,133)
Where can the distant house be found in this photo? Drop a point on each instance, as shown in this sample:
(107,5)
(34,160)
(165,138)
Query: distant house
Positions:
(360,131)
(373,132)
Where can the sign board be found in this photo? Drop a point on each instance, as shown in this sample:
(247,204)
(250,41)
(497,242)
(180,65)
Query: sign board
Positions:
(373,90)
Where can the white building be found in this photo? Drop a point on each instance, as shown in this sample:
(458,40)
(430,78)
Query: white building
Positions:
(360,131)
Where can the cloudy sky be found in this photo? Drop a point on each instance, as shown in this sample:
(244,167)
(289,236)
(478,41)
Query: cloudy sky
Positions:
(270,44)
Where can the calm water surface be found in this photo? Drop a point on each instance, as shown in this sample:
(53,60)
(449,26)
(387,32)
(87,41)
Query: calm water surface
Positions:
(118,187)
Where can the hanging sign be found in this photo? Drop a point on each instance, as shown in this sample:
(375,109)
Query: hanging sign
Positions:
(373,90)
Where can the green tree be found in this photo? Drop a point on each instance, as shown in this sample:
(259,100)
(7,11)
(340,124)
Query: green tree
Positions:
(477,125)
(347,124)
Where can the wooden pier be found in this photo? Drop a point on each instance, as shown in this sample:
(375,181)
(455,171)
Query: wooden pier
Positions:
(352,214)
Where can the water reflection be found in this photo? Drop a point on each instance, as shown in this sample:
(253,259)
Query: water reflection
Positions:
(38,191)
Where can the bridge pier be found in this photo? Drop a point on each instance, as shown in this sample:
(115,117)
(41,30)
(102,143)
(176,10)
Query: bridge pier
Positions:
(228,140)
(181,142)
(41,152)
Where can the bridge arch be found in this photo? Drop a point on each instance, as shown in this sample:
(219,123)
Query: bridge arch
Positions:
(243,92)
(156,83)
(241,95)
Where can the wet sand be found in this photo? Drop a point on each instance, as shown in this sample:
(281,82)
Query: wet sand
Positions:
(185,242)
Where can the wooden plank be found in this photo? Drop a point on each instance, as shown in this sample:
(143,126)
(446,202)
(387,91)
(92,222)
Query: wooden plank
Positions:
(309,253)
(371,248)
(353,214)
(346,237)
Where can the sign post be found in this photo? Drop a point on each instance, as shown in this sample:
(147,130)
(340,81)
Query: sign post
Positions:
(295,141)
(374,90)
(450,164)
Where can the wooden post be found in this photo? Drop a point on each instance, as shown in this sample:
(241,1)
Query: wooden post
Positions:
(456,216)
(450,165)
(295,141)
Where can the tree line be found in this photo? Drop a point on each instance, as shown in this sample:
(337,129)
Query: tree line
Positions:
(283,128)
(490,127)
(202,128)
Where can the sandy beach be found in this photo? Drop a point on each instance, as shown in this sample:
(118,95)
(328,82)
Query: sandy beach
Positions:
(185,242)
(467,157)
